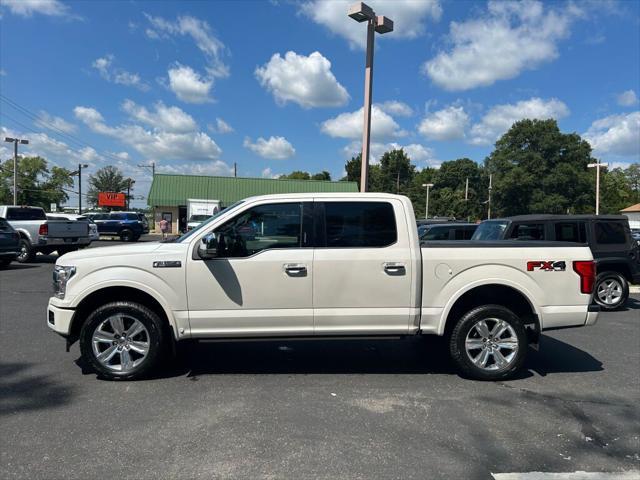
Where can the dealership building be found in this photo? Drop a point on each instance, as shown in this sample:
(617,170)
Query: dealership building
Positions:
(169,193)
(633,214)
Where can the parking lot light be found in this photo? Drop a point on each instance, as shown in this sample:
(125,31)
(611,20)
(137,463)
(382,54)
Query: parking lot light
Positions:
(15,142)
(426,210)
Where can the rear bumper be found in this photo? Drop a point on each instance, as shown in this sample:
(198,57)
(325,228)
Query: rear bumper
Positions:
(59,319)
(57,242)
(565,316)
(635,278)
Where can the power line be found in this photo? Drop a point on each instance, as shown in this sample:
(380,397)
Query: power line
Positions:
(37,119)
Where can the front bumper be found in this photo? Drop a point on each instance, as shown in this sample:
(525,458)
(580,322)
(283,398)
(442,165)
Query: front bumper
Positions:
(59,319)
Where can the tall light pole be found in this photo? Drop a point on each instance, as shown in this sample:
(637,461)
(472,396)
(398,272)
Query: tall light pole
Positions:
(79,174)
(15,142)
(489,199)
(426,209)
(362,12)
(598,166)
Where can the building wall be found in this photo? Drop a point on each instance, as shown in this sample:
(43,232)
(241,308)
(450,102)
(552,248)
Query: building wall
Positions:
(157,216)
(634,219)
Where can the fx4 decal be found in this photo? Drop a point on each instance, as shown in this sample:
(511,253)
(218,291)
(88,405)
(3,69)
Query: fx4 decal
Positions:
(547,266)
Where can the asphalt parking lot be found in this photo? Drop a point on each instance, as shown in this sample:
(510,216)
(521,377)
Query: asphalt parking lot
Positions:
(343,409)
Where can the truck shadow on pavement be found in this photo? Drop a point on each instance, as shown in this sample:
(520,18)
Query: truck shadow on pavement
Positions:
(22,390)
(415,355)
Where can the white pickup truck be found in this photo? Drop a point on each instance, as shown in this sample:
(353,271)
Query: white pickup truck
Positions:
(319,265)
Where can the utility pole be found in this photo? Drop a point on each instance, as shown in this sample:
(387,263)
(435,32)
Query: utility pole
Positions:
(361,12)
(489,200)
(235,169)
(79,174)
(152,167)
(466,198)
(15,142)
(129,181)
(598,166)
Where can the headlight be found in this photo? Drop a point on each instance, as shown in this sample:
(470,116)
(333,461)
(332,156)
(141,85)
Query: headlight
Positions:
(61,276)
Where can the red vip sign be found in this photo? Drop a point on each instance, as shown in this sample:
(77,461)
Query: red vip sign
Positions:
(111,199)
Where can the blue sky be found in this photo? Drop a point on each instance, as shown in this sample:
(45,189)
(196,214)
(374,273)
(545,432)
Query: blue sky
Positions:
(277,86)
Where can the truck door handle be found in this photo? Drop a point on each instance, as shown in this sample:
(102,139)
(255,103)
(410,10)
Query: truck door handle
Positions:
(295,269)
(394,268)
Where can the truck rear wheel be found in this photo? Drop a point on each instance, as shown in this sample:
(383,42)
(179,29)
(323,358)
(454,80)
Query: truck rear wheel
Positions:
(126,235)
(611,290)
(488,343)
(122,340)
(26,251)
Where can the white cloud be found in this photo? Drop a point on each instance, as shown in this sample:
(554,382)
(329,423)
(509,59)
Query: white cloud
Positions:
(446,124)
(616,134)
(200,32)
(277,148)
(27,8)
(409,17)
(268,173)
(3,73)
(54,123)
(627,98)
(307,81)
(168,119)
(350,124)
(417,153)
(156,144)
(104,66)
(501,117)
(394,107)
(188,86)
(220,127)
(510,38)
(215,167)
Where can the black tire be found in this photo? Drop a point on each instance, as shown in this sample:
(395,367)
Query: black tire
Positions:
(608,282)
(126,235)
(26,251)
(136,238)
(155,337)
(517,336)
(4,263)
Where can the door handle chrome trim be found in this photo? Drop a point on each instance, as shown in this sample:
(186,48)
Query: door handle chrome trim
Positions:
(295,269)
(394,268)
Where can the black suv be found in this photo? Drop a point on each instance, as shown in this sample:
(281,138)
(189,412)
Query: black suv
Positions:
(129,226)
(447,231)
(616,253)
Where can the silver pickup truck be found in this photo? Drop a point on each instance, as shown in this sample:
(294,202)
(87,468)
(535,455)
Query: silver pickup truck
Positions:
(39,234)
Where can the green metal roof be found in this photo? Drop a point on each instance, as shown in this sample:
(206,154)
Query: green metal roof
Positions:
(174,190)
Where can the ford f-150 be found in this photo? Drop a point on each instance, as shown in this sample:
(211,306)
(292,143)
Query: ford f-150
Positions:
(319,265)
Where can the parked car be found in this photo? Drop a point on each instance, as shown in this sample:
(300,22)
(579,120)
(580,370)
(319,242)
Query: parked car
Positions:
(93,228)
(37,234)
(616,253)
(447,231)
(9,243)
(635,233)
(318,265)
(128,226)
(196,220)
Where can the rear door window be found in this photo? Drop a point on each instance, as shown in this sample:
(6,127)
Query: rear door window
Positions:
(610,233)
(528,231)
(359,224)
(437,233)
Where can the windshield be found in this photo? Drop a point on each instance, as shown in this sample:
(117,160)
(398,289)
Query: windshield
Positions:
(209,220)
(490,230)
(199,218)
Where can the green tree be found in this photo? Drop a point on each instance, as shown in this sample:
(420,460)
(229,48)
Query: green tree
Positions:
(323,175)
(37,185)
(538,169)
(632,173)
(616,192)
(107,179)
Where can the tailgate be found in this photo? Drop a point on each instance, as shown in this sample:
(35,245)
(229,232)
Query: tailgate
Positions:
(68,228)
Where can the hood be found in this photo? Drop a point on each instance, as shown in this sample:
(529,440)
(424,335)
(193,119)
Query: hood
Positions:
(120,250)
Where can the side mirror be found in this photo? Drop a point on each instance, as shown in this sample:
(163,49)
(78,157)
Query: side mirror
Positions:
(208,247)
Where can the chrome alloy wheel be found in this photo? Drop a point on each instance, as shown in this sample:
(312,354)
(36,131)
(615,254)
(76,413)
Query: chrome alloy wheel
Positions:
(609,291)
(120,343)
(491,344)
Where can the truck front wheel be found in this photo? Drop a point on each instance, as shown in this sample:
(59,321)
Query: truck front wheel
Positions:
(122,340)
(488,343)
